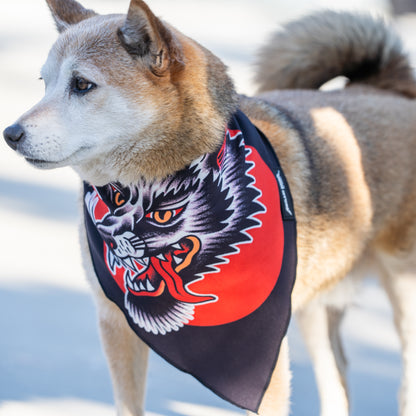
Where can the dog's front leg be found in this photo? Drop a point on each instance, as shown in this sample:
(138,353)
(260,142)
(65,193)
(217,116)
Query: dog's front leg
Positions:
(319,325)
(127,357)
(276,401)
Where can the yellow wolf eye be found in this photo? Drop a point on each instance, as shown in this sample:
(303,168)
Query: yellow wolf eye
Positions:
(118,199)
(163,217)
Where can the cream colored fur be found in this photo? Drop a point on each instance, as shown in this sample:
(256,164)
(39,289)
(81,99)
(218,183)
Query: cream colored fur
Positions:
(349,157)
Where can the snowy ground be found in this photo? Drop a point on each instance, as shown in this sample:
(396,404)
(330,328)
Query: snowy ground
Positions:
(51,359)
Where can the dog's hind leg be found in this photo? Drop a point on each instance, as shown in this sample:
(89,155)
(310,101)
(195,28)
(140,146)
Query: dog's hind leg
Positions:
(399,280)
(276,400)
(127,357)
(319,325)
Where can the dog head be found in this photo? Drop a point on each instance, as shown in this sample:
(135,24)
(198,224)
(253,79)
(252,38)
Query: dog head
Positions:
(126,96)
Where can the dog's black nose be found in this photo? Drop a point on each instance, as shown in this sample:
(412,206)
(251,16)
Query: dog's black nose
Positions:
(13,134)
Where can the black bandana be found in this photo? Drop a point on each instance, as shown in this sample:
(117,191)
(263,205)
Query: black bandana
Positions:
(203,262)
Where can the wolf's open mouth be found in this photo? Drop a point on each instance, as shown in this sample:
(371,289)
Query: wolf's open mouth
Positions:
(151,276)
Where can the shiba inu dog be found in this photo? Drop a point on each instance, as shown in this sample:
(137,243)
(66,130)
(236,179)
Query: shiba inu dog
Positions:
(129,99)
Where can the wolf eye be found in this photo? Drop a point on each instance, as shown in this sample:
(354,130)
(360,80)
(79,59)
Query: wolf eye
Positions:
(118,199)
(163,217)
(81,85)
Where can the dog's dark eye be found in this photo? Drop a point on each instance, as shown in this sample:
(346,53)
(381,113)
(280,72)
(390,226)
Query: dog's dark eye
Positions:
(81,85)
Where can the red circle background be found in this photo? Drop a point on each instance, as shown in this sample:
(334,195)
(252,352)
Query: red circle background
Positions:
(243,284)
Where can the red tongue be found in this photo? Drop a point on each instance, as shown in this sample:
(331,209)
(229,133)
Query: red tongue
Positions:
(175,283)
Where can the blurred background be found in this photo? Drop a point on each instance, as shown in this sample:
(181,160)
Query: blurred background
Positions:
(51,359)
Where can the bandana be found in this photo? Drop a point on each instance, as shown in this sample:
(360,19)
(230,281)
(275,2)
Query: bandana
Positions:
(202,263)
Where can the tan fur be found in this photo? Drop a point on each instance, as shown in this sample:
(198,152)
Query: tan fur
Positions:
(349,157)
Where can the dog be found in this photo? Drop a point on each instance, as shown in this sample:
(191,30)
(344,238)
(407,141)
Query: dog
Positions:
(129,98)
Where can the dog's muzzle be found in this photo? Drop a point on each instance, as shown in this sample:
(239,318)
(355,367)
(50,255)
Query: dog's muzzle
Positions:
(13,135)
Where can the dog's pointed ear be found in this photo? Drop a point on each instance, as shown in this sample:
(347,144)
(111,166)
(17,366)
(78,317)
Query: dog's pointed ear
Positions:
(144,35)
(67,13)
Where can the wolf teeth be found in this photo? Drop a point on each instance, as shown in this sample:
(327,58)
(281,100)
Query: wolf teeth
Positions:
(141,286)
(129,278)
(161,257)
(178,261)
(149,286)
(144,261)
(177,246)
(128,261)
(112,260)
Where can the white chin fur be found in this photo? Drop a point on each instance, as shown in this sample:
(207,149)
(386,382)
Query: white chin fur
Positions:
(70,160)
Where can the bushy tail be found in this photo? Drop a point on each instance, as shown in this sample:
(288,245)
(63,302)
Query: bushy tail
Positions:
(311,51)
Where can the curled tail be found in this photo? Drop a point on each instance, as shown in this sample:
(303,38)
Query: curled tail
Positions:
(311,51)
